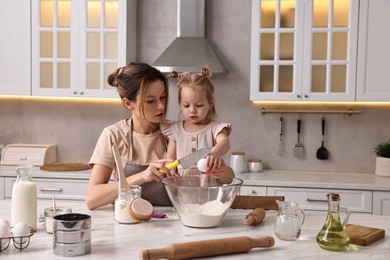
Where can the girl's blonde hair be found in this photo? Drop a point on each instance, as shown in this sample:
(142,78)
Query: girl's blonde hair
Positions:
(198,81)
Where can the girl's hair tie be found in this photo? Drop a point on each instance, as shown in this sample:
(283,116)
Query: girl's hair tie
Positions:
(206,72)
(180,78)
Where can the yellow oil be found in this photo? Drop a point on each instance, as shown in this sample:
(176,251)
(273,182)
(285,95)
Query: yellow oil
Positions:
(332,236)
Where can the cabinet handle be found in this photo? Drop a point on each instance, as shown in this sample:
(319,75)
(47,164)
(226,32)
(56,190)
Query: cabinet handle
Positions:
(315,200)
(253,193)
(82,93)
(51,189)
(298,96)
(306,96)
(74,92)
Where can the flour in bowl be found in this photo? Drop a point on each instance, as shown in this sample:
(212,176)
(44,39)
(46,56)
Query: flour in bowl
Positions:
(209,214)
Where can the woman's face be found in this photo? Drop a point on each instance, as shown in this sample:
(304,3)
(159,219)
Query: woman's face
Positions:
(154,103)
(194,105)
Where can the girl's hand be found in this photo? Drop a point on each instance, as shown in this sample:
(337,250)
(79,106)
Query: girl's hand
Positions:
(213,162)
(219,170)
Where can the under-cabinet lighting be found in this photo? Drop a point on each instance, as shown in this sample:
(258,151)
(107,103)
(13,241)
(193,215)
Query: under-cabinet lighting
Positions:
(64,99)
(320,104)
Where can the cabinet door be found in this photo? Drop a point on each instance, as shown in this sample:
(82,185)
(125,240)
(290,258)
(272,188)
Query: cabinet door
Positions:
(303,50)
(77,44)
(15,56)
(315,199)
(381,203)
(373,76)
(253,190)
(64,189)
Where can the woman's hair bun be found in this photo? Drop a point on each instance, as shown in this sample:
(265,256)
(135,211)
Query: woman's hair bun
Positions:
(112,80)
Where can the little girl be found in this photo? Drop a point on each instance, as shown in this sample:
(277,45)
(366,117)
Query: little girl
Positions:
(199,128)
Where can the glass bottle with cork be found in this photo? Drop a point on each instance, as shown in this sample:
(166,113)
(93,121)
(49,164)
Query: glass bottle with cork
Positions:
(332,235)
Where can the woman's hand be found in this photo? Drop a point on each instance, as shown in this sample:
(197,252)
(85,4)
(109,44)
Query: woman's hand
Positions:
(152,173)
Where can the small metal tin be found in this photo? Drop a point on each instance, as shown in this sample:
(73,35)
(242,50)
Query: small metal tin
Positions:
(72,234)
(49,214)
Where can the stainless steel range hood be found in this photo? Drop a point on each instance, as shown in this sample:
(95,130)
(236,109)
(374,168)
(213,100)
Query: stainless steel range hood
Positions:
(190,51)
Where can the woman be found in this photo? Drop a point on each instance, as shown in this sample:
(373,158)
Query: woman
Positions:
(144,91)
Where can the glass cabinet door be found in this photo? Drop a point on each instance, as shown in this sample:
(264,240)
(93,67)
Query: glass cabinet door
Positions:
(302,50)
(330,62)
(77,44)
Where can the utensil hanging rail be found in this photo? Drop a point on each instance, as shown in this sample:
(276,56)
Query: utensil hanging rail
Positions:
(349,112)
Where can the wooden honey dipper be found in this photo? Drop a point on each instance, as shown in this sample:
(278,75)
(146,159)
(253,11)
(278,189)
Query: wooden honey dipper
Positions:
(204,248)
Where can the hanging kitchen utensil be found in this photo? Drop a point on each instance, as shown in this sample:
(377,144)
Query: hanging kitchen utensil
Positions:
(298,148)
(280,147)
(322,152)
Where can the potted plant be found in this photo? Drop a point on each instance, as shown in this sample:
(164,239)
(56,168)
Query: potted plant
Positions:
(382,151)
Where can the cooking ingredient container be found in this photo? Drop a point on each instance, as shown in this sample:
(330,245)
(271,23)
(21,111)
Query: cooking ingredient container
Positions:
(72,234)
(24,198)
(123,204)
(237,162)
(49,213)
(332,236)
(289,221)
(201,200)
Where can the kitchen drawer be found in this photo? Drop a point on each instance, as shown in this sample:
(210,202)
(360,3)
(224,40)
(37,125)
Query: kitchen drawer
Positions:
(60,188)
(315,199)
(253,190)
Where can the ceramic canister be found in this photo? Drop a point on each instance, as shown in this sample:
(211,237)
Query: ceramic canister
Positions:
(72,234)
(237,162)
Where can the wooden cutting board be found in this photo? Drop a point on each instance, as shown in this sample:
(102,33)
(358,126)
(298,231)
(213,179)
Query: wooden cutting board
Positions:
(65,167)
(363,236)
(252,202)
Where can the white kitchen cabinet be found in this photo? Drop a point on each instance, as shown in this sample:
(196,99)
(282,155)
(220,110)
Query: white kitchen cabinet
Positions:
(381,203)
(315,199)
(303,50)
(373,77)
(62,189)
(2,187)
(15,45)
(253,191)
(76,44)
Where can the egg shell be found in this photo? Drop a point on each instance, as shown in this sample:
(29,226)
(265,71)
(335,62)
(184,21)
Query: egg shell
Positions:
(21,229)
(202,166)
(5,231)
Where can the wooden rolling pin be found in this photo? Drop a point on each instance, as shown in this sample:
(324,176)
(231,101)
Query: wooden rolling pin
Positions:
(255,217)
(204,248)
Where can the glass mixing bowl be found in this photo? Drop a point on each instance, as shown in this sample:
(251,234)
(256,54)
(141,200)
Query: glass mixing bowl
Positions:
(201,200)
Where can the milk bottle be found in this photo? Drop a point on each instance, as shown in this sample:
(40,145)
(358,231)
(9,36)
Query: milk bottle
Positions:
(24,198)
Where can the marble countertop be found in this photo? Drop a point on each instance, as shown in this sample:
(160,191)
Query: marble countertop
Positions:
(275,178)
(315,179)
(111,240)
(9,171)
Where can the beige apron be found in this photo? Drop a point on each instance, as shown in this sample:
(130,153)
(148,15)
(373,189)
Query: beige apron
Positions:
(154,192)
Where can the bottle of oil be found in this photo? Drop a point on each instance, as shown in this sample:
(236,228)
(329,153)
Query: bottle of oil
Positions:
(332,235)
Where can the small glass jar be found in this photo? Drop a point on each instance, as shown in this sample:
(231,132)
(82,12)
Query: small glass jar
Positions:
(125,198)
(49,214)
